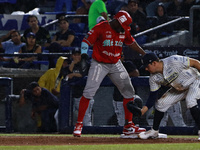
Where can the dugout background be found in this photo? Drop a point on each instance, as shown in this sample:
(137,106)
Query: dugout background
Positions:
(103,108)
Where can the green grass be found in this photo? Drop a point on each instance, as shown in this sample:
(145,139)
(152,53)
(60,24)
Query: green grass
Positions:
(134,146)
(184,146)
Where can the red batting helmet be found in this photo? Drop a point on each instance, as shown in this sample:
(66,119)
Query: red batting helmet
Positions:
(124,19)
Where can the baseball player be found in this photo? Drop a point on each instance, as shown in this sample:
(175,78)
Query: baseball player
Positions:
(107,39)
(181,73)
(118,98)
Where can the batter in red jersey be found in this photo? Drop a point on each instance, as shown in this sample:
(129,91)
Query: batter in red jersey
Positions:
(107,39)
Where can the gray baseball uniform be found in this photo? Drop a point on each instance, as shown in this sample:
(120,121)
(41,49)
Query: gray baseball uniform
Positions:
(116,72)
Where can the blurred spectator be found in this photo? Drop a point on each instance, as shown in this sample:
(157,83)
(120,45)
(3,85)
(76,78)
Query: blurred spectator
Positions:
(143,4)
(43,37)
(44,106)
(162,17)
(151,7)
(114,6)
(62,38)
(98,8)
(78,71)
(138,17)
(69,5)
(63,5)
(30,47)
(83,10)
(76,68)
(181,7)
(11,46)
(51,79)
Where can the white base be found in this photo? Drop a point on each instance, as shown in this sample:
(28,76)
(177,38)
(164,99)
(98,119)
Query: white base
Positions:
(132,136)
(162,136)
(135,136)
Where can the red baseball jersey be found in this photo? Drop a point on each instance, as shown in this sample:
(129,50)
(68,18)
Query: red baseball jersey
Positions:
(107,43)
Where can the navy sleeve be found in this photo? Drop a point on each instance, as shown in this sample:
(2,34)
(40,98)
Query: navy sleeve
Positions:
(152,99)
(49,99)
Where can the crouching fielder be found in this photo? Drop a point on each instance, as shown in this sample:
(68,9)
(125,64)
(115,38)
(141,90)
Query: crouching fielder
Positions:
(181,73)
(107,39)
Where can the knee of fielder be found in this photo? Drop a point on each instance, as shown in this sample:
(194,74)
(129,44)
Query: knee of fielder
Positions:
(161,107)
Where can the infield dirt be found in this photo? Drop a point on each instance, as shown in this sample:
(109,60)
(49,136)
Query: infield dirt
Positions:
(70,140)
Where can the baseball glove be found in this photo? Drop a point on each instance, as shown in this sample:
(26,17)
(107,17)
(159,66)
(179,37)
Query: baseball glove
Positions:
(135,108)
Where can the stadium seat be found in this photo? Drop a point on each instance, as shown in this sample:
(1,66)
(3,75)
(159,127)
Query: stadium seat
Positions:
(141,39)
(78,39)
(68,49)
(77,27)
(151,21)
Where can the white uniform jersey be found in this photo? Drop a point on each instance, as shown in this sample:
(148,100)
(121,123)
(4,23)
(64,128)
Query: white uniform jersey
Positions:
(177,73)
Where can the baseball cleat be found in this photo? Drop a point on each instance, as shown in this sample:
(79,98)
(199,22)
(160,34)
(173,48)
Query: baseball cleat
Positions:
(199,135)
(149,134)
(132,129)
(78,130)
(131,136)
